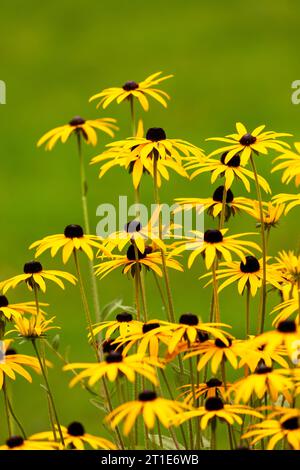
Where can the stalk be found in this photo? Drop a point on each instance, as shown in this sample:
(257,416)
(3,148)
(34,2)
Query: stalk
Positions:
(216,295)
(248,311)
(7,411)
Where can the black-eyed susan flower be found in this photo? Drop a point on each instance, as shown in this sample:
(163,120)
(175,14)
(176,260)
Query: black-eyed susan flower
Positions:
(13,311)
(190,327)
(244,142)
(275,431)
(216,351)
(272,212)
(286,334)
(113,365)
(214,244)
(12,364)
(19,443)
(33,327)
(264,380)
(213,408)
(287,308)
(212,388)
(35,276)
(257,353)
(246,274)
(124,325)
(135,259)
(213,205)
(72,239)
(291,201)
(289,165)
(289,264)
(151,407)
(131,89)
(79,126)
(75,437)
(230,171)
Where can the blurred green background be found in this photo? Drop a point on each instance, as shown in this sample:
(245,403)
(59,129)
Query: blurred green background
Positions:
(232,61)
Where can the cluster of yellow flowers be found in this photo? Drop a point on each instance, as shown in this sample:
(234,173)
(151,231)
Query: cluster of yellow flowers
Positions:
(260,403)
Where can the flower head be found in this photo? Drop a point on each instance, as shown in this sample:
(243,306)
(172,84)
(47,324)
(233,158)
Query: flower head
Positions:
(13,364)
(13,311)
(33,327)
(275,431)
(19,443)
(124,325)
(289,165)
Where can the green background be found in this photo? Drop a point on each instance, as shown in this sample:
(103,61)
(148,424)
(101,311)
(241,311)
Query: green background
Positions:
(232,61)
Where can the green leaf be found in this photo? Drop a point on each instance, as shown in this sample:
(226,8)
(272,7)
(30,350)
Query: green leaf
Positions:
(167,443)
(55,343)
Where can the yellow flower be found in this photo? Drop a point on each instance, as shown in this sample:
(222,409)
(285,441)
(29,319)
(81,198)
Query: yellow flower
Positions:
(75,437)
(213,205)
(79,126)
(287,335)
(13,311)
(291,201)
(216,351)
(33,328)
(257,352)
(150,259)
(286,309)
(150,407)
(244,143)
(215,408)
(113,365)
(290,165)
(12,364)
(35,275)
(132,89)
(123,324)
(72,239)
(246,274)
(264,380)
(230,170)
(289,264)
(271,212)
(213,244)
(275,431)
(212,388)
(18,443)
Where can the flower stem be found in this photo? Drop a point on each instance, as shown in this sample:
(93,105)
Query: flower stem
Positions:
(164,266)
(132,115)
(85,304)
(262,312)
(247,311)
(15,417)
(7,411)
(213,434)
(223,211)
(160,291)
(48,390)
(216,294)
(84,189)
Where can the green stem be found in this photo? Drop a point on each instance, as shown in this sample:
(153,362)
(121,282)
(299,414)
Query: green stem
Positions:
(215,289)
(160,291)
(223,211)
(262,311)
(15,417)
(213,434)
(48,390)
(110,407)
(132,115)
(247,311)
(7,412)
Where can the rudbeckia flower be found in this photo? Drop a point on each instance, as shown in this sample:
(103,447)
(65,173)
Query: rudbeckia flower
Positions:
(13,364)
(35,275)
(189,328)
(18,443)
(216,351)
(114,365)
(290,165)
(124,325)
(244,142)
(213,205)
(287,308)
(257,353)
(272,212)
(275,431)
(264,380)
(33,328)
(291,201)
(75,437)
(230,171)
(246,274)
(150,407)
(289,264)
(13,311)
(214,244)
(213,408)
(150,259)
(212,388)
(141,91)
(79,126)
(287,334)
(72,239)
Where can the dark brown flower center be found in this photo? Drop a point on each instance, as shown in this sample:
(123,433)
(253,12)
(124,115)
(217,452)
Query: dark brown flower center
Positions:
(133,226)
(147,395)
(287,326)
(213,236)
(73,231)
(189,319)
(262,368)
(150,326)
(114,356)
(124,317)
(32,267)
(214,382)
(220,344)
(202,336)
(14,441)
(251,265)
(77,121)
(134,253)
(3,301)
(291,424)
(219,193)
(108,346)
(130,85)
(233,162)
(155,134)
(247,139)
(214,404)
(76,429)
(10,352)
